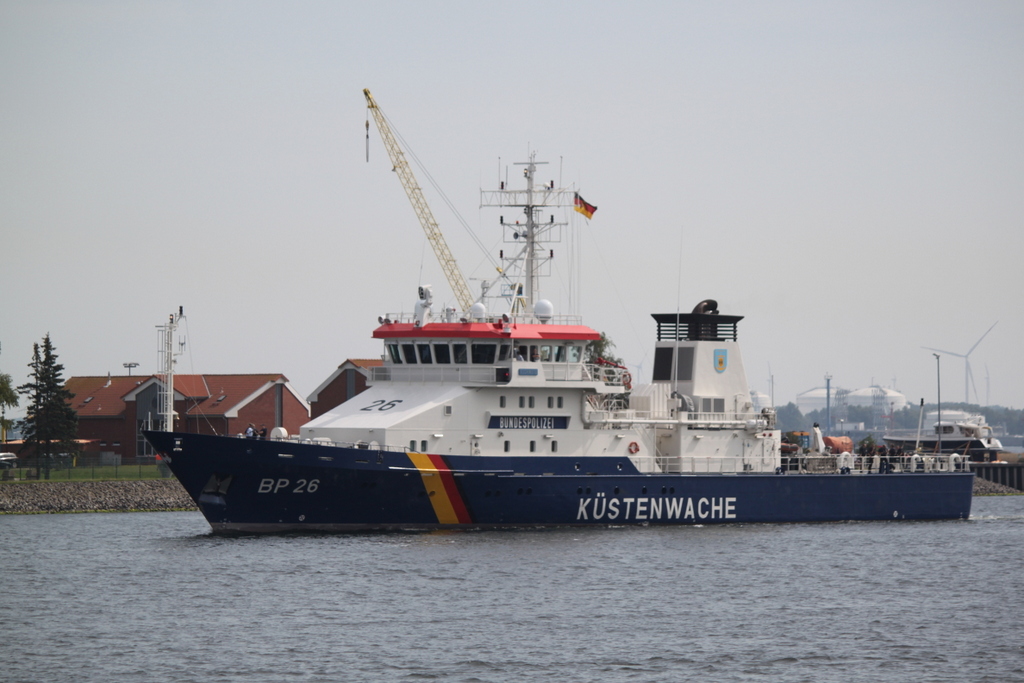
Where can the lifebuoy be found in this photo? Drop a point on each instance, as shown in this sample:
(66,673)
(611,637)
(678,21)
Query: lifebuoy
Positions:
(633,447)
(627,381)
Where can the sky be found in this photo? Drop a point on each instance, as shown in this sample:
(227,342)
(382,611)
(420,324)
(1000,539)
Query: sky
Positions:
(849,176)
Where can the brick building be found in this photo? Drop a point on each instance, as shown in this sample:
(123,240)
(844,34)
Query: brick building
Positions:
(348,380)
(113,411)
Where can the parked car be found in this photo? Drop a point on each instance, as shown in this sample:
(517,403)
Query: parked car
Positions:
(8,461)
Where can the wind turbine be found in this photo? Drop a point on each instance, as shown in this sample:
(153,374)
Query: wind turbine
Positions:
(968,376)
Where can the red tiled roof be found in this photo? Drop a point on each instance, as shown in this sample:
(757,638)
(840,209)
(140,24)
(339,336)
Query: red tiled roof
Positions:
(226,392)
(365,362)
(100,396)
(205,394)
(192,386)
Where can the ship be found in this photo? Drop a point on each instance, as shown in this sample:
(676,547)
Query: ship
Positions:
(501,416)
(958,433)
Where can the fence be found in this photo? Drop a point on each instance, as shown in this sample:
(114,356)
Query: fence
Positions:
(85,467)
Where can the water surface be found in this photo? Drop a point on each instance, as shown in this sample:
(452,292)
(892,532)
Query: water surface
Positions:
(156,597)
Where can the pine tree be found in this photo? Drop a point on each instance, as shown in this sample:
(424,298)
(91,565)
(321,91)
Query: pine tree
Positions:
(50,423)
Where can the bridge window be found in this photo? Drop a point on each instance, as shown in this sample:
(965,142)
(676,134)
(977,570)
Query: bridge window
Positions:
(575,353)
(409,352)
(396,357)
(442,354)
(559,354)
(545,353)
(461,357)
(483,354)
(424,350)
(504,351)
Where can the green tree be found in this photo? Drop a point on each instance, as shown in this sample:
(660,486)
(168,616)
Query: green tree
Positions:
(602,348)
(8,399)
(50,424)
(788,418)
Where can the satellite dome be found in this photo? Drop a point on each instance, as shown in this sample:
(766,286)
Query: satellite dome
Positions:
(543,310)
(477,311)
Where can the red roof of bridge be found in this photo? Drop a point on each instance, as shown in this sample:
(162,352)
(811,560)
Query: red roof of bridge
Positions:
(493,331)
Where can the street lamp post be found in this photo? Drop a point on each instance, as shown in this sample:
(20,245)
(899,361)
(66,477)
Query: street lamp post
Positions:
(828,402)
(130,366)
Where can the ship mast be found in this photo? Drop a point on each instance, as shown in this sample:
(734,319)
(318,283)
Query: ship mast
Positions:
(165,397)
(530,235)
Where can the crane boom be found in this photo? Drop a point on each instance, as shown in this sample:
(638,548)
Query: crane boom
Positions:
(419,204)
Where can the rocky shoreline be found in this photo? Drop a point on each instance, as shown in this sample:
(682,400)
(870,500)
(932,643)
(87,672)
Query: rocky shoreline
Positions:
(166,494)
(94,496)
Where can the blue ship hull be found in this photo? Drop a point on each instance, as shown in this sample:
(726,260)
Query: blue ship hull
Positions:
(246,485)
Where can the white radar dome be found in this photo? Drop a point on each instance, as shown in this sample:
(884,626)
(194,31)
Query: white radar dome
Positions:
(477,311)
(543,310)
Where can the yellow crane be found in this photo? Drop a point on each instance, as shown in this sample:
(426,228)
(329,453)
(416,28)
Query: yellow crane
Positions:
(419,204)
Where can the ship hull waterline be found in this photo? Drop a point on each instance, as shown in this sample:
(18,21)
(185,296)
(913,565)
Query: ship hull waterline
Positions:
(257,486)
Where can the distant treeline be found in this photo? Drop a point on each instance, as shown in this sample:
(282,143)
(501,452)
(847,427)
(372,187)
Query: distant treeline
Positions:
(790,419)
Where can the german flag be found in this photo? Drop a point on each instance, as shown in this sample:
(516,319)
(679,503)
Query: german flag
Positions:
(584,208)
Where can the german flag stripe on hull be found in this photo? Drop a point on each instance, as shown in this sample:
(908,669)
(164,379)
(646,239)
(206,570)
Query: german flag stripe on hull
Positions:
(441,488)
